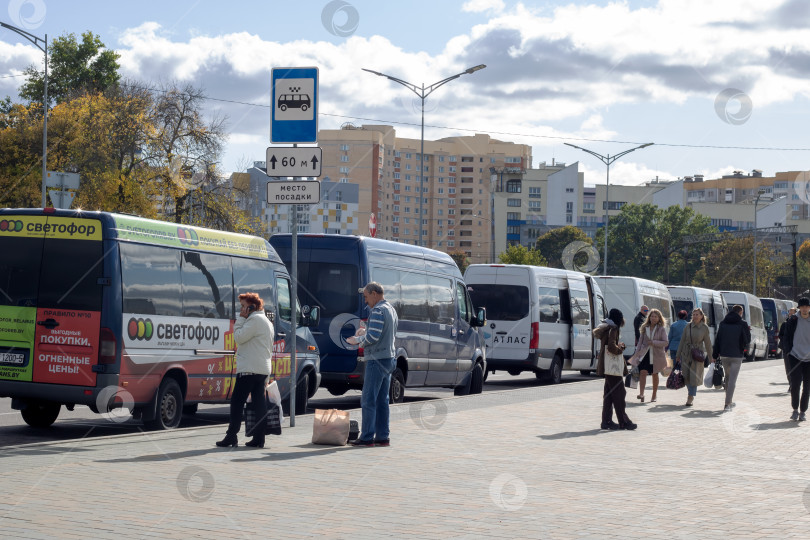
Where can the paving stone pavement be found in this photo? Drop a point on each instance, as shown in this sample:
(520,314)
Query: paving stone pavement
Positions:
(528,463)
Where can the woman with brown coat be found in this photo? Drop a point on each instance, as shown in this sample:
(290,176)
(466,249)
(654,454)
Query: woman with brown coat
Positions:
(613,369)
(695,335)
(653,337)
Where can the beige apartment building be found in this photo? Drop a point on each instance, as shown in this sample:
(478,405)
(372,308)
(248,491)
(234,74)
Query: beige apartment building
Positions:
(457,191)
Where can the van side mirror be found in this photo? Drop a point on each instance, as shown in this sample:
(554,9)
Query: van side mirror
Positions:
(310,316)
(480,318)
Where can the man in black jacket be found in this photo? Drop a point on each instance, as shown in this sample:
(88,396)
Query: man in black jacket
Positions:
(791,313)
(733,337)
(796,347)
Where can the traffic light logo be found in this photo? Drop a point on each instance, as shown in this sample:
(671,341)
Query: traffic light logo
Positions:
(140,329)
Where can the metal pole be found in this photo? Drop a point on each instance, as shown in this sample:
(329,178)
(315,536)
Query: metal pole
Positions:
(756,202)
(607,209)
(795,273)
(294,317)
(45,126)
(422,164)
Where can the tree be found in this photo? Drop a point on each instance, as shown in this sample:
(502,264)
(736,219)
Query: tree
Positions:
(461,260)
(729,266)
(803,252)
(647,241)
(552,244)
(517,254)
(73,67)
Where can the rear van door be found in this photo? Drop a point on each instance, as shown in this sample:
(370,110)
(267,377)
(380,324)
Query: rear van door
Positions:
(50,306)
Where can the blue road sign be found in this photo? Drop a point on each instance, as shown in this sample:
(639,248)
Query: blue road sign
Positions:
(294,116)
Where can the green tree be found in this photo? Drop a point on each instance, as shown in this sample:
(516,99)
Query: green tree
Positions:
(461,260)
(647,241)
(729,266)
(552,244)
(517,254)
(803,252)
(73,67)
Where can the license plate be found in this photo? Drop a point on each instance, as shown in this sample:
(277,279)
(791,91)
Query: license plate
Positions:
(12,359)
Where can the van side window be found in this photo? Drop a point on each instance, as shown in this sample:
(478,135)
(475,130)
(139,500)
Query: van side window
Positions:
(580,308)
(718,311)
(414,296)
(389,279)
(442,310)
(549,304)
(150,277)
(207,287)
(284,299)
(250,275)
(707,310)
(461,297)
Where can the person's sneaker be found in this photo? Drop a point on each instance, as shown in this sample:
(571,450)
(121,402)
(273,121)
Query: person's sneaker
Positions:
(611,426)
(802,417)
(382,442)
(795,416)
(361,442)
(630,426)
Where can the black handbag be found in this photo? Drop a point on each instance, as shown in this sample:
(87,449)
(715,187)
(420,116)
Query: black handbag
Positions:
(273,419)
(717,378)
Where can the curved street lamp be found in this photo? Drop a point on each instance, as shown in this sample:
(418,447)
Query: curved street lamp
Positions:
(44,48)
(608,160)
(423,92)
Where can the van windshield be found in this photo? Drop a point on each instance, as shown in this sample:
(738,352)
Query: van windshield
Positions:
(503,302)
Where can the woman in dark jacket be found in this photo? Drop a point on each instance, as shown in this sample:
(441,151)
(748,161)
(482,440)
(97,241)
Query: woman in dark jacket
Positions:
(614,393)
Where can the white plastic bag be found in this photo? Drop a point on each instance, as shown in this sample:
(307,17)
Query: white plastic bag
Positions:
(274,394)
(707,378)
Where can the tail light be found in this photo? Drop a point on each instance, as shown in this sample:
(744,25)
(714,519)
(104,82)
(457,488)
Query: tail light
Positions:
(106,348)
(534,342)
(360,353)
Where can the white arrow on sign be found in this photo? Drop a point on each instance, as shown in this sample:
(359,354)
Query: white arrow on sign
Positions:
(287,161)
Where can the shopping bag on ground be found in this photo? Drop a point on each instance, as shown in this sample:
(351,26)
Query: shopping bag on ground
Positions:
(708,378)
(331,426)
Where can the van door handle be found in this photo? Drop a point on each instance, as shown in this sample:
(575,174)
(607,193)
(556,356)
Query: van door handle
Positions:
(50,324)
(461,332)
(280,334)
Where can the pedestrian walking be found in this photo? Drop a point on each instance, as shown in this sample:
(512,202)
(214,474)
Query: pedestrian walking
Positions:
(378,346)
(611,364)
(675,332)
(695,336)
(791,313)
(733,337)
(797,351)
(253,334)
(652,345)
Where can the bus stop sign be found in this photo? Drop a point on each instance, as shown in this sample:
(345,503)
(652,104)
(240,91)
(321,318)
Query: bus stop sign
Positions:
(294,116)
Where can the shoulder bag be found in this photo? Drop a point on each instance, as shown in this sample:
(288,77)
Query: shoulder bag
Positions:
(614,363)
(697,353)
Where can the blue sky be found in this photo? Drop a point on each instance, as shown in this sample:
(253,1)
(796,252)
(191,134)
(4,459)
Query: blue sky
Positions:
(586,72)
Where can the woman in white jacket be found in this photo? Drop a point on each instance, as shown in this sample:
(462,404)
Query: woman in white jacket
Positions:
(253,333)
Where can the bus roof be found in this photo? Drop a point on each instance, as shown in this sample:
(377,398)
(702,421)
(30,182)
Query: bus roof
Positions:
(149,231)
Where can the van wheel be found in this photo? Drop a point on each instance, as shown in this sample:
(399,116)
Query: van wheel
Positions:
(337,390)
(190,409)
(477,380)
(486,375)
(586,372)
(302,394)
(41,414)
(753,356)
(554,373)
(169,406)
(514,372)
(396,393)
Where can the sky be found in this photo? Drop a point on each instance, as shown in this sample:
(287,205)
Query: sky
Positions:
(717,85)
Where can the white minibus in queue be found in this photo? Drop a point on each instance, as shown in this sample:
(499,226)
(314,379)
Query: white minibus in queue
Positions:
(752,313)
(711,302)
(538,319)
(630,293)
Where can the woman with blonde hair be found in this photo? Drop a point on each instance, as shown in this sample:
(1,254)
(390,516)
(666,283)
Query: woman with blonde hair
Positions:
(694,336)
(653,338)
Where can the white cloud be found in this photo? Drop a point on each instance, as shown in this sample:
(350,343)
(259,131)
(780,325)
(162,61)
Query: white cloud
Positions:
(478,6)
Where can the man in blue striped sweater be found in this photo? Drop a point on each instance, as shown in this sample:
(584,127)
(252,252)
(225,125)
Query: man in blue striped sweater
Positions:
(379,352)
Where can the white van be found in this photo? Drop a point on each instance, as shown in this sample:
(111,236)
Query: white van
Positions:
(711,302)
(630,293)
(752,313)
(538,319)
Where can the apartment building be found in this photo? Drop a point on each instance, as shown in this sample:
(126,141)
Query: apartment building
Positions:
(456,195)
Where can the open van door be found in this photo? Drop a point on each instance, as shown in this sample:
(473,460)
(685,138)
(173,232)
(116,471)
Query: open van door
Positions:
(580,329)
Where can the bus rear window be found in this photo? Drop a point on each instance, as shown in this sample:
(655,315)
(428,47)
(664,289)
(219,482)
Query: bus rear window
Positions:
(503,302)
(19,270)
(70,275)
(332,286)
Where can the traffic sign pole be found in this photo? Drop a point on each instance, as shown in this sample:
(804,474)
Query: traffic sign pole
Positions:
(294,301)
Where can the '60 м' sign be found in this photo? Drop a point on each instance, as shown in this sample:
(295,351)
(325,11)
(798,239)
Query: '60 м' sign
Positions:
(294,192)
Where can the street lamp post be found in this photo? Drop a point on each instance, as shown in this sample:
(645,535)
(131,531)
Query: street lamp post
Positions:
(608,160)
(760,193)
(44,48)
(423,92)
